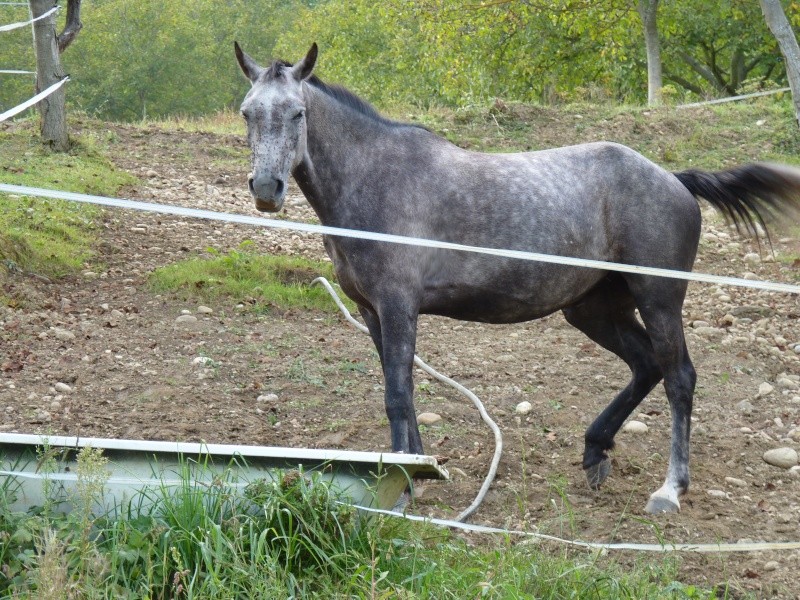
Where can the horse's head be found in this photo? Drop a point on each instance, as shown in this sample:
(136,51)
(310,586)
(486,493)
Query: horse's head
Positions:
(275,112)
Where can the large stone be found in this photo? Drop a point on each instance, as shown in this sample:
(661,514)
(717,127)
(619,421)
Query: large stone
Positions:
(785,458)
(63,334)
(635,427)
(765,389)
(710,333)
(428,418)
(524,407)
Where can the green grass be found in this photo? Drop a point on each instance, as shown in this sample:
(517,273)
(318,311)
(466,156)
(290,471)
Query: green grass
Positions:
(259,280)
(290,536)
(51,238)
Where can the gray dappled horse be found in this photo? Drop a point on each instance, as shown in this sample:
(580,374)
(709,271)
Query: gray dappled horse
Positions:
(602,201)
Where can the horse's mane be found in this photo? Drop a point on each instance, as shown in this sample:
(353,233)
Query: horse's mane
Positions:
(342,95)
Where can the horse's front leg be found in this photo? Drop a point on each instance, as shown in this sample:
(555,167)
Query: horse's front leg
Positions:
(398,330)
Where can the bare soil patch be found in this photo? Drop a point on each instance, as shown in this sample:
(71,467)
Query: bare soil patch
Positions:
(132,373)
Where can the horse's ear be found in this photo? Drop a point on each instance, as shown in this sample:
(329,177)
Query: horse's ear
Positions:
(303,69)
(249,67)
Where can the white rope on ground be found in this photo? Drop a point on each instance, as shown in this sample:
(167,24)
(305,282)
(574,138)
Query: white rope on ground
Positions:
(663,547)
(11,26)
(16,72)
(37,98)
(396,239)
(498,436)
(734,98)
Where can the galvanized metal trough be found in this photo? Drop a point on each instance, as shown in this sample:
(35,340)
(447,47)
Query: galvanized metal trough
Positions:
(136,466)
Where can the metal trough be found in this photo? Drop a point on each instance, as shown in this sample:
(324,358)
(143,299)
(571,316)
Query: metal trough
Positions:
(367,478)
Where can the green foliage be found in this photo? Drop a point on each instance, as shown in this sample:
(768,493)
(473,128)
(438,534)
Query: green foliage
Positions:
(720,49)
(242,275)
(136,60)
(16,53)
(292,535)
(150,59)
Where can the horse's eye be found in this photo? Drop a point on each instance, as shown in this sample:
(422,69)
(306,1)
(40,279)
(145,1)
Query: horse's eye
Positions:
(299,115)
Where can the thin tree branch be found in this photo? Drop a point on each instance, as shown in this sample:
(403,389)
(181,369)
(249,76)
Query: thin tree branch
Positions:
(686,84)
(72,27)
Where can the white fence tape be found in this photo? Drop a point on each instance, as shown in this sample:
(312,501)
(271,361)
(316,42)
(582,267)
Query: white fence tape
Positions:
(17,72)
(664,547)
(11,26)
(37,98)
(395,239)
(734,98)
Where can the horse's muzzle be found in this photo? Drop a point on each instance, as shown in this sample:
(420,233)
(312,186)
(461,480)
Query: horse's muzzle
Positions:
(268,193)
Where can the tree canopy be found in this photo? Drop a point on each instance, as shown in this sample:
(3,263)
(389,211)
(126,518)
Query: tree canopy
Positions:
(153,58)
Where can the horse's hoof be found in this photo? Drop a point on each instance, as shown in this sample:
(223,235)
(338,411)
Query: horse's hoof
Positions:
(597,474)
(658,505)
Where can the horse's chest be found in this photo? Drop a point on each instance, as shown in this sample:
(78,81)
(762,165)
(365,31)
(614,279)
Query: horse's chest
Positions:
(346,274)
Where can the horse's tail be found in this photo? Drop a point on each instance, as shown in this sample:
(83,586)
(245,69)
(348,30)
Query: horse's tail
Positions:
(748,195)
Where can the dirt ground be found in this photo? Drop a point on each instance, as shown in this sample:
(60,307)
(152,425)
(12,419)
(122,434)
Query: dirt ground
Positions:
(309,380)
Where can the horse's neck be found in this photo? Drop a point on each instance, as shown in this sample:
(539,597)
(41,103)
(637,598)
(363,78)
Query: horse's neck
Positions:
(338,149)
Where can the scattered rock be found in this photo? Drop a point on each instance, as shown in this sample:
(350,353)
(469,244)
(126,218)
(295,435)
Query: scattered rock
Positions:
(62,388)
(710,333)
(752,259)
(427,418)
(765,389)
(63,334)
(717,493)
(267,398)
(785,383)
(202,360)
(204,310)
(750,311)
(745,407)
(635,427)
(785,458)
(523,408)
(456,472)
(772,565)
(186,319)
(735,481)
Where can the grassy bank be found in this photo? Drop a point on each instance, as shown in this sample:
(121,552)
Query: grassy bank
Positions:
(241,275)
(51,238)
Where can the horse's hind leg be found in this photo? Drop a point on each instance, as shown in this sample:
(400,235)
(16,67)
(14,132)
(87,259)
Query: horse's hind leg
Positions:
(607,316)
(659,301)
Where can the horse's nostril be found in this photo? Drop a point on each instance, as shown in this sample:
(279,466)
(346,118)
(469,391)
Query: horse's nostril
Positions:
(278,187)
(250,185)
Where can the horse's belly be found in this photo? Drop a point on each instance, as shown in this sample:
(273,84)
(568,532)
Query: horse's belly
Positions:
(508,301)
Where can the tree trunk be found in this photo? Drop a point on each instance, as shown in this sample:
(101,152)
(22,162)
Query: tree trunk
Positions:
(49,71)
(779,26)
(49,45)
(647,10)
